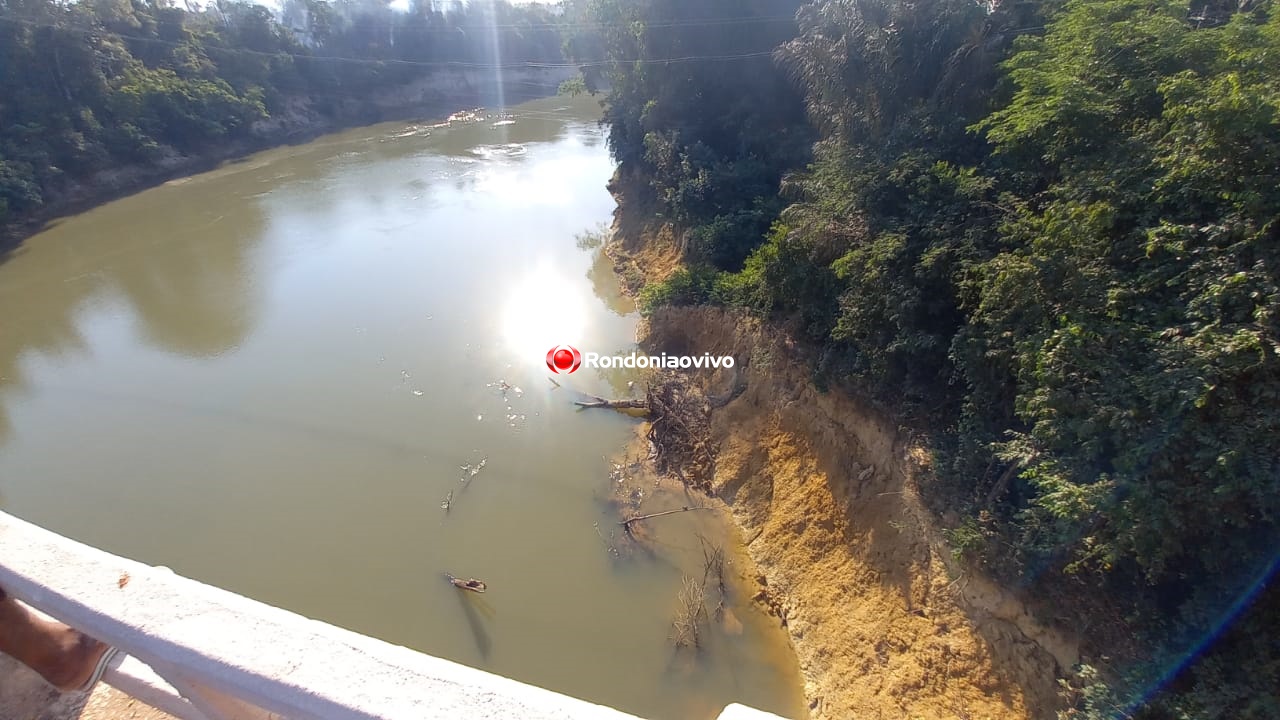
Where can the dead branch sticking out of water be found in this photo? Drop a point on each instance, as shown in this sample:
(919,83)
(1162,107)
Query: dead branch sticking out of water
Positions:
(713,570)
(626,524)
(687,626)
(609,548)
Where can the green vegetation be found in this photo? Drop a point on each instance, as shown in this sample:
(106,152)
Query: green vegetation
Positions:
(698,111)
(99,84)
(1049,234)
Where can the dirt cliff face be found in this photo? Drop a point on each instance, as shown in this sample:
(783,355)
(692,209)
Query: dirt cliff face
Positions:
(884,622)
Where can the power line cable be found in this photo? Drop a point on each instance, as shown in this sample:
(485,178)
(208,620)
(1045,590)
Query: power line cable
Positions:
(689,22)
(692,22)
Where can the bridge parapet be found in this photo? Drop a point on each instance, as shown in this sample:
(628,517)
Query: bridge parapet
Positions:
(202,653)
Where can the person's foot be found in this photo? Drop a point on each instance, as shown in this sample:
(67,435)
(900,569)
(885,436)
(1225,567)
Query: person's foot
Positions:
(66,658)
(72,667)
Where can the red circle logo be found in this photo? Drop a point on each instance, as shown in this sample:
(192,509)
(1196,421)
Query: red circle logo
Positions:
(563,359)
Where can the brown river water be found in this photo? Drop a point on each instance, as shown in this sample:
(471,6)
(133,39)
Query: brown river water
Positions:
(269,377)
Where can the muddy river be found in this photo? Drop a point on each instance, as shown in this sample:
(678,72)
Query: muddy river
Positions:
(274,377)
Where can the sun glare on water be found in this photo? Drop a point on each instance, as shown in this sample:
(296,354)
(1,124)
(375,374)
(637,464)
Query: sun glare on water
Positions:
(543,309)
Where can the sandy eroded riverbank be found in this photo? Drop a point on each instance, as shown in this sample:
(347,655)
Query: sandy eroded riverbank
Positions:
(824,490)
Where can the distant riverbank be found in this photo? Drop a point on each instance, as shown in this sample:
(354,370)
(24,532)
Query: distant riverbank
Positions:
(434,96)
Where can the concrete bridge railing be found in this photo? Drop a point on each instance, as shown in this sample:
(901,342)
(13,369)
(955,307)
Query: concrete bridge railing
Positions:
(199,652)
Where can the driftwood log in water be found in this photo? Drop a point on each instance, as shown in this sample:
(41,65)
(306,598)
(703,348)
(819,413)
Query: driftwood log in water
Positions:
(472,584)
(600,402)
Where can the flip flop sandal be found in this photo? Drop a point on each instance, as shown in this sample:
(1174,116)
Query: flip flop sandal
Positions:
(98,669)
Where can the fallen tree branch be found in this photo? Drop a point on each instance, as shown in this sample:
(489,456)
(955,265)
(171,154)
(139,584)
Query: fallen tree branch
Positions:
(1002,484)
(600,402)
(627,523)
(736,387)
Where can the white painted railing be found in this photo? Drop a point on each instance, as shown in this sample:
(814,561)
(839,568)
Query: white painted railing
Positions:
(202,653)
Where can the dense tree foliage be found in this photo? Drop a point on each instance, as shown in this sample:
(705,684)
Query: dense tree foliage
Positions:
(698,109)
(1135,304)
(1048,232)
(87,86)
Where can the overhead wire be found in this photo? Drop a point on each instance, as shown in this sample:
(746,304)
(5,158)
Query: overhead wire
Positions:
(663,24)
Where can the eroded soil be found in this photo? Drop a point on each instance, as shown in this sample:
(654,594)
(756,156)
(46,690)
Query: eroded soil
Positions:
(884,622)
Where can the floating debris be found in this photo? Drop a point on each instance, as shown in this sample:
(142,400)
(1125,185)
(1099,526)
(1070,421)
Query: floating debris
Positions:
(466,116)
(417,392)
(471,584)
(410,131)
(506,387)
(448,502)
(469,471)
(499,152)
